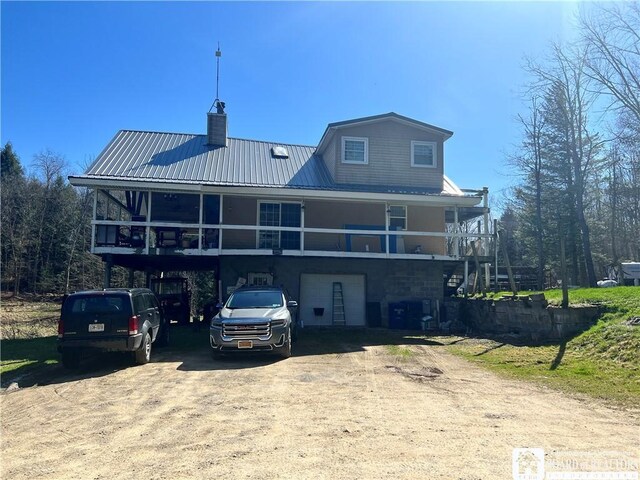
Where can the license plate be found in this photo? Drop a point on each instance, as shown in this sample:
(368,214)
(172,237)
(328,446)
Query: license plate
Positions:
(96,327)
(245,344)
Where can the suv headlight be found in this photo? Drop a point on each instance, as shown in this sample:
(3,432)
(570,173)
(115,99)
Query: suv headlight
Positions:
(216,322)
(278,322)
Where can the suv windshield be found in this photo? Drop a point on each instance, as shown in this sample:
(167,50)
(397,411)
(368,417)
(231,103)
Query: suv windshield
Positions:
(255,299)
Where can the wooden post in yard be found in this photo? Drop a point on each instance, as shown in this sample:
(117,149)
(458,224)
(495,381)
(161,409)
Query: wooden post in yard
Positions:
(563,274)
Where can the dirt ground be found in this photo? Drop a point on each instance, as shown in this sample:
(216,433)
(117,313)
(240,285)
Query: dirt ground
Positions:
(357,411)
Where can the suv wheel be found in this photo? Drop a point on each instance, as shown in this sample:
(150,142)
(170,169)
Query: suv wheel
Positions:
(285,350)
(143,354)
(70,359)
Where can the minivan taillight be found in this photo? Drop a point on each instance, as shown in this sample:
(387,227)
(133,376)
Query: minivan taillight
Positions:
(133,325)
(60,328)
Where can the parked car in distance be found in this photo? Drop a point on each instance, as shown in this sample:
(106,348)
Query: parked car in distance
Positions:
(254,319)
(113,319)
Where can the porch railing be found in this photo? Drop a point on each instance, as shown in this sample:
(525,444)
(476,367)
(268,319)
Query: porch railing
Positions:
(167,238)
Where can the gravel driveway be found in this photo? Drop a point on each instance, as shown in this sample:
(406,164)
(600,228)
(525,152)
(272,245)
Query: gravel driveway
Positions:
(347,410)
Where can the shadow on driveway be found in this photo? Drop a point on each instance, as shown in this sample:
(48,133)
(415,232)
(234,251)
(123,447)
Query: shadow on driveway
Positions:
(189,347)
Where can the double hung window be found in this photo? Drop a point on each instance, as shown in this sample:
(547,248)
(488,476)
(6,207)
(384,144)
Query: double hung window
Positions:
(279,215)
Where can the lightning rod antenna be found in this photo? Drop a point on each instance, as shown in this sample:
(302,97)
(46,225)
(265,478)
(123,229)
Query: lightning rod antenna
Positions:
(217,103)
(218,55)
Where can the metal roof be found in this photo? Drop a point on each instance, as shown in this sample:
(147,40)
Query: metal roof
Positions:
(155,156)
(188,159)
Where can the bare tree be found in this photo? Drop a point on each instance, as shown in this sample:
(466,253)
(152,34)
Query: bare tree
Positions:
(611,36)
(569,98)
(49,167)
(531,163)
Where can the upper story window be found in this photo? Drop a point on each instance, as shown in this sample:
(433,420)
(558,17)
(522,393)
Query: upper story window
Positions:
(423,154)
(355,150)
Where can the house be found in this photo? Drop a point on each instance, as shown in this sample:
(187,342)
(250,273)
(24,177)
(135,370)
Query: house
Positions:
(366,218)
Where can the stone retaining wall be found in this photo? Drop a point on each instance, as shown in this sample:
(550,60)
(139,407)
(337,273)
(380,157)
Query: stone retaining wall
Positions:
(529,317)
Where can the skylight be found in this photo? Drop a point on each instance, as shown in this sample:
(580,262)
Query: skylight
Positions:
(279,152)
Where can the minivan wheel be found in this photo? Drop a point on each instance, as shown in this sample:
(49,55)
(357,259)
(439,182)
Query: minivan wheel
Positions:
(70,359)
(143,354)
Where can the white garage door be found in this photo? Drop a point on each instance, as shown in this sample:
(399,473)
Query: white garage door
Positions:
(316,292)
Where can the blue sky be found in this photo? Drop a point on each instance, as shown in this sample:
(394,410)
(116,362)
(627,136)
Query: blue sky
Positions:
(73,74)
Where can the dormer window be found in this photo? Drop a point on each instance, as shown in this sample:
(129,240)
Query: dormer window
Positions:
(423,154)
(355,150)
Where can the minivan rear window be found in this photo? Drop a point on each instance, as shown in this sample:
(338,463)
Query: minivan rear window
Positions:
(97,304)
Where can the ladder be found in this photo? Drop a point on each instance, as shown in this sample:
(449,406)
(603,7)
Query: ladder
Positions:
(338,305)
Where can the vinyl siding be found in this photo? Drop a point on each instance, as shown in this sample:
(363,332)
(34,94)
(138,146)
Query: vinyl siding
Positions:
(389,156)
(326,214)
(330,156)
(239,211)
(425,219)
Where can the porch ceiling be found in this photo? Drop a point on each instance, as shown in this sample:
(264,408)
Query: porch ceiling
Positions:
(165,263)
(464,214)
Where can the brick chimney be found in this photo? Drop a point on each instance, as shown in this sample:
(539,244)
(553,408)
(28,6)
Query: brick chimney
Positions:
(217,126)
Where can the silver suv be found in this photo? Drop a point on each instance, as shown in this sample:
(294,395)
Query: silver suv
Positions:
(254,318)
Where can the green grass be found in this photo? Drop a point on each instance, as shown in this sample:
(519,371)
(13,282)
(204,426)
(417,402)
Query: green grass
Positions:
(404,353)
(570,372)
(23,355)
(603,361)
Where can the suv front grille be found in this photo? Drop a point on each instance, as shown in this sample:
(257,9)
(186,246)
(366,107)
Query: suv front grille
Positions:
(240,331)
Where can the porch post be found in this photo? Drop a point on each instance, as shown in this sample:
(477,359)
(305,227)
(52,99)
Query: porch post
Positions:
(148,227)
(456,230)
(386,228)
(220,223)
(131,277)
(485,202)
(302,228)
(95,213)
(200,223)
